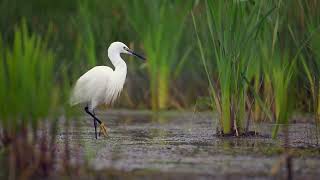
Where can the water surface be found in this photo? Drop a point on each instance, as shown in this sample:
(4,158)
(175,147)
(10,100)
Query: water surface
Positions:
(185,145)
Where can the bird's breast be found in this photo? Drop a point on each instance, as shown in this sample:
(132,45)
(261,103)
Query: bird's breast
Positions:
(115,85)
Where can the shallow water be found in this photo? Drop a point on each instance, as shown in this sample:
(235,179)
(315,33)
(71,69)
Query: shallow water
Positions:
(184,145)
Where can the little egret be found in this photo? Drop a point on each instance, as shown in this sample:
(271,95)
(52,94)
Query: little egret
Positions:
(101,84)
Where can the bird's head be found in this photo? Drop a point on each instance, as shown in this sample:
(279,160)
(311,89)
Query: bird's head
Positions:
(119,47)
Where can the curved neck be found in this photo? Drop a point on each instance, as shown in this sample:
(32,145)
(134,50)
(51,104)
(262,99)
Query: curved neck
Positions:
(116,60)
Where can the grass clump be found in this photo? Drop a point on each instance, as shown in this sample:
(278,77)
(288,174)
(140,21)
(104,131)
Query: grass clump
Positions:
(233,41)
(311,57)
(29,97)
(28,89)
(281,74)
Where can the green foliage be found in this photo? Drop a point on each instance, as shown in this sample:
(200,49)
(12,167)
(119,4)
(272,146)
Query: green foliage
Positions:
(258,40)
(233,43)
(159,25)
(89,39)
(28,89)
(281,73)
(253,54)
(310,59)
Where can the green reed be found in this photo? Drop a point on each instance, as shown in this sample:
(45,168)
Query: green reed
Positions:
(28,89)
(33,92)
(280,59)
(281,73)
(233,44)
(159,25)
(89,44)
(311,56)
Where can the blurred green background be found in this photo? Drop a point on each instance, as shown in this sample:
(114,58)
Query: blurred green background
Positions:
(79,33)
(76,34)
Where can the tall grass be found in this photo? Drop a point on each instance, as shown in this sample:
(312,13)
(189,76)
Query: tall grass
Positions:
(159,25)
(233,43)
(311,56)
(87,36)
(312,69)
(281,73)
(285,51)
(28,90)
(29,97)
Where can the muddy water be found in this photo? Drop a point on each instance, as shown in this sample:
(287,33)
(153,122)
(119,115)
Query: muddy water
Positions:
(184,145)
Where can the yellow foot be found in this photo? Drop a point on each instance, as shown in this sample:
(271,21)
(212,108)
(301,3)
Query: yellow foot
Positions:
(103,129)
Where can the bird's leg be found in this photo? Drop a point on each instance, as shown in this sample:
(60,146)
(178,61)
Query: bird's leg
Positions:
(102,126)
(94,120)
(95,124)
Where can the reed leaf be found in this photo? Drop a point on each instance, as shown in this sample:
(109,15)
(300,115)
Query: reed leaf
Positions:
(27,81)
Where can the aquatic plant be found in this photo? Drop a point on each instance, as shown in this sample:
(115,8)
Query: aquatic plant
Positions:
(310,59)
(312,69)
(30,96)
(281,73)
(232,41)
(159,25)
(27,81)
(87,33)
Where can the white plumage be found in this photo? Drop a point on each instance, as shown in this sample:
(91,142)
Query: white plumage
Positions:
(101,84)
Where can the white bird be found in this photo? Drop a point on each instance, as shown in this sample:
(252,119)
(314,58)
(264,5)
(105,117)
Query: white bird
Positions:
(102,84)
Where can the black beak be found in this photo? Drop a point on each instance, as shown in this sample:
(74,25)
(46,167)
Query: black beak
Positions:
(135,54)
